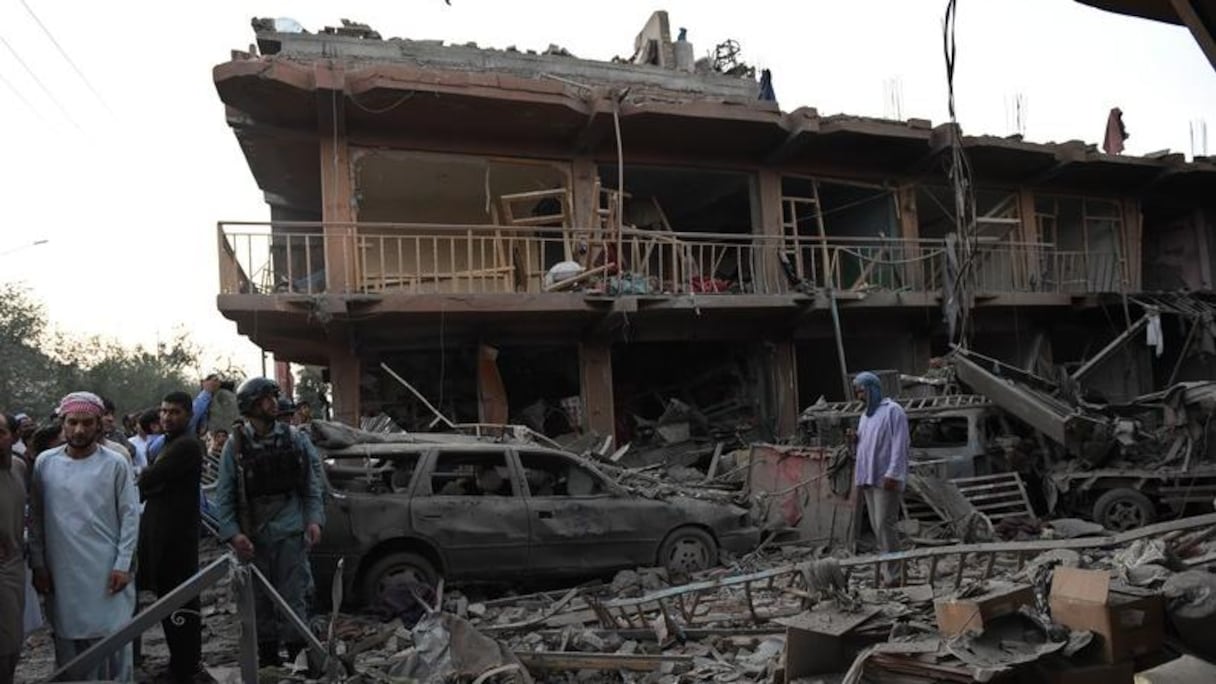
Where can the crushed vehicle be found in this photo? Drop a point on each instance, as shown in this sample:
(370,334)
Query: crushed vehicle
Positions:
(418,507)
(1122,465)
(951,435)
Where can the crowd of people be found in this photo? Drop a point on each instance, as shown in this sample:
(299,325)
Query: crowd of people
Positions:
(94,509)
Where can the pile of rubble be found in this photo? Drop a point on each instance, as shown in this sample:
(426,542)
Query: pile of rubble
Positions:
(1051,609)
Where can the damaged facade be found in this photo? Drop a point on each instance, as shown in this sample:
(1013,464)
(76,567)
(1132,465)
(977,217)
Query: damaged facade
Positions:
(574,244)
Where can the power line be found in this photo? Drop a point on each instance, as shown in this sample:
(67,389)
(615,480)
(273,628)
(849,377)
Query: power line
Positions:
(65,56)
(37,80)
(19,94)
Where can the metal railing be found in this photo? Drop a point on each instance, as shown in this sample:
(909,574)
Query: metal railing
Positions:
(243,577)
(311,259)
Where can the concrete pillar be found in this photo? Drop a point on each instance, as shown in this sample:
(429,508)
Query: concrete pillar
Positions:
(1031,266)
(595,386)
(766,221)
(337,193)
(345,372)
(909,230)
(783,370)
(582,189)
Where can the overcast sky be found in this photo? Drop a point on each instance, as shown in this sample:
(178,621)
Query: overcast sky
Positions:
(128,186)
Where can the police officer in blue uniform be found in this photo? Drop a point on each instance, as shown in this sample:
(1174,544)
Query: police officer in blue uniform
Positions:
(269,507)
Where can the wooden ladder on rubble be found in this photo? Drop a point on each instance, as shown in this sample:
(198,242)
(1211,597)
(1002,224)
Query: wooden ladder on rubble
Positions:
(788,590)
(909,404)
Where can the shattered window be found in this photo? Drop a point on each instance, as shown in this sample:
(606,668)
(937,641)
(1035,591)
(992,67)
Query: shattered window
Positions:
(403,472)
(932,433)
(471,474)
(552,475)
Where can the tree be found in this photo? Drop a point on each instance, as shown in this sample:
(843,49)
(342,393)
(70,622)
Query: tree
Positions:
(38,366)
(27,375)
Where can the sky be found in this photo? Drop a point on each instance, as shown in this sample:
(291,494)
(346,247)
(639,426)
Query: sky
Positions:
(126,171)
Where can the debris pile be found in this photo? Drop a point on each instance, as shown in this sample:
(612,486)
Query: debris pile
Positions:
(1052,609)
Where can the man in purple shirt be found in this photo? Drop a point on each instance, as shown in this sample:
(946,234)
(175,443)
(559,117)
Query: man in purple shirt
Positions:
(882,463)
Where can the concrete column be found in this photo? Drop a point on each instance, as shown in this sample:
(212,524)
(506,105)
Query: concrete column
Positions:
(909,230)
(783,370)
(582,189)
(345,371)
(1031,267)
(766,220)
(337,193)
(595,386)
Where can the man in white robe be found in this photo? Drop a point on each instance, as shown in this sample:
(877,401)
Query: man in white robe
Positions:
(85,526)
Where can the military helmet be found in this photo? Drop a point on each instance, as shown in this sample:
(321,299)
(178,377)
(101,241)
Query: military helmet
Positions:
(286,406)
(253,389)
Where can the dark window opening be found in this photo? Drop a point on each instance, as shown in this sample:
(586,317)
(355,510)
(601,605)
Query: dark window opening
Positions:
(935,433)
(858,222)
(716,206)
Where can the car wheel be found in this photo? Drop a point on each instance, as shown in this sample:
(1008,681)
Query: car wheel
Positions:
(1124,509)
(688,550)
(397,567)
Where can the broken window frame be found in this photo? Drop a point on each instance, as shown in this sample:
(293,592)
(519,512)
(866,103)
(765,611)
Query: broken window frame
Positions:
(500,254)
(604,488)
(1113,278)
(378,471)
(824,269)
(502,465)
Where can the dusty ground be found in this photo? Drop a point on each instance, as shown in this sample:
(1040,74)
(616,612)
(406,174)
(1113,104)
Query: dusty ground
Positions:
(220,634)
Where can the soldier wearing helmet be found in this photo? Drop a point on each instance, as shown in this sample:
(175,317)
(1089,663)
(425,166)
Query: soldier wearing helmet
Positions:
(269,507)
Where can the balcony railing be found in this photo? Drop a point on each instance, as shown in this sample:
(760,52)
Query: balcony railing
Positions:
(303,258)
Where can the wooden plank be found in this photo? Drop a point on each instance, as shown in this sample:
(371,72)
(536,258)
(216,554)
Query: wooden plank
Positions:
(829,621)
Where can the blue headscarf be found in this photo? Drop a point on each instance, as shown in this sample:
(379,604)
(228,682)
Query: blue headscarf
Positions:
(873,387)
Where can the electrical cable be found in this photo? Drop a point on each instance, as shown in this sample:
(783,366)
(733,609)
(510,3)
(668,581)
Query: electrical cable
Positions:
(51,96)
(63,53)
(959,172)
(20,95)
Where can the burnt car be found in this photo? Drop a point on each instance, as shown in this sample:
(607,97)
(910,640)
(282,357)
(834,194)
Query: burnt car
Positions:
(468,510)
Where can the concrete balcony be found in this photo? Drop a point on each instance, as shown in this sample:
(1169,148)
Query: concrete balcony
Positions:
(392,260)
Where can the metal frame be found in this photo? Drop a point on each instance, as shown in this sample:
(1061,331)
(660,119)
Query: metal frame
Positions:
(243,577)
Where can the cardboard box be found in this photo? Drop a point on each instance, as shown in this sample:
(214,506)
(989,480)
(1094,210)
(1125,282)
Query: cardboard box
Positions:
(1061,672)
(1126,625)
(958,615)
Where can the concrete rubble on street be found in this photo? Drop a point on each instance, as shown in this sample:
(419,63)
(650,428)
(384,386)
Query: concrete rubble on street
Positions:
(605,379)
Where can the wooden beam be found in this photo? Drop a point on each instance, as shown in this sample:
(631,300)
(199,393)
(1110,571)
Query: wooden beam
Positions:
(909,230)
(337,191)
(345,374)
(595,376)
(1202,32)
(784,370)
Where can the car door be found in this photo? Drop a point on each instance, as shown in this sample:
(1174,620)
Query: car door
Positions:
(469,504)
(579,522)
(367,502)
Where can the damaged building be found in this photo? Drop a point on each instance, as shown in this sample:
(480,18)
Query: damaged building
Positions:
(582,245)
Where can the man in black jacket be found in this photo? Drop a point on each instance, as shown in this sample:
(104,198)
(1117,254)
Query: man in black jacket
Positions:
(168,533)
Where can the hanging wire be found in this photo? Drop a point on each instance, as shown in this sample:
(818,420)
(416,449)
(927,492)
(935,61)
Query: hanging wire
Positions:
(961,181)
